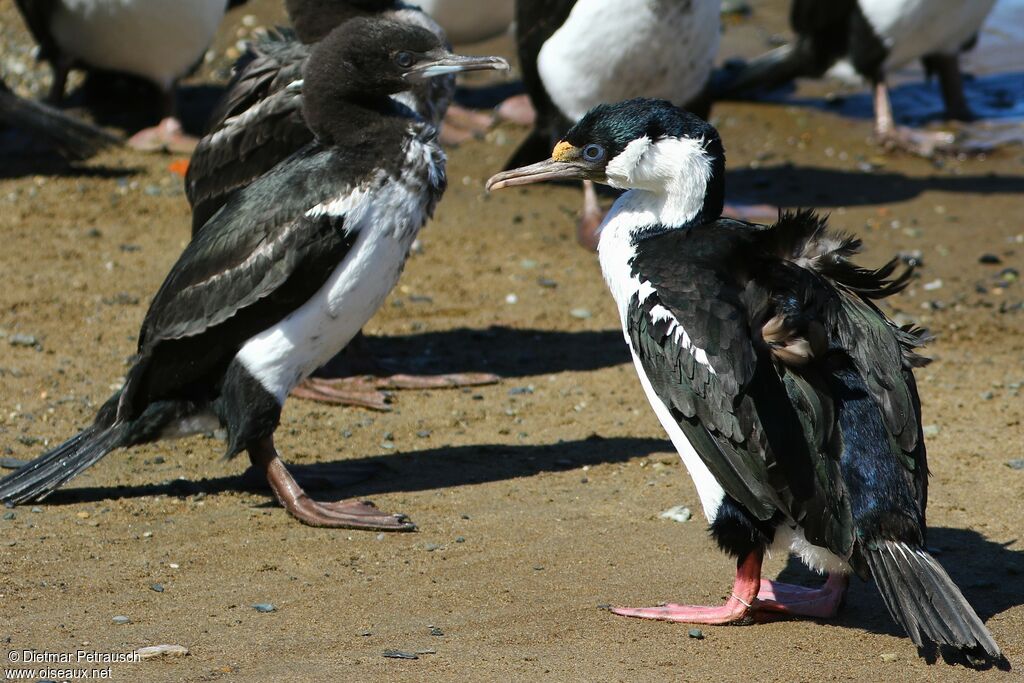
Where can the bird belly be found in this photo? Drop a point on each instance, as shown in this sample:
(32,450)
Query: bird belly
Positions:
(387,223)
(911,29)
(709,490)
(156,39)
(612,50)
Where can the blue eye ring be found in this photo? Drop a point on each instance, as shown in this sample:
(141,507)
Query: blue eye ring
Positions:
(404,59)
(593,153)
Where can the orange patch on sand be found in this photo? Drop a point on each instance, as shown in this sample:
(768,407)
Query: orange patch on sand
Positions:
(178,167)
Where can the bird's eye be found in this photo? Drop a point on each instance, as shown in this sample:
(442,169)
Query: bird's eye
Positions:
(404,59)
(593,152)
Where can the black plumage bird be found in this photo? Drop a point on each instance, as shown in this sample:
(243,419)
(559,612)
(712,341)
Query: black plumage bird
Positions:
(286,272)
(258,122)
(874,37)
(788,394)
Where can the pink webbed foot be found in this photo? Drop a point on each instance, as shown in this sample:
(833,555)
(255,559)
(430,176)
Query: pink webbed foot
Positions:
(167,135)
(517,109)
(753,599)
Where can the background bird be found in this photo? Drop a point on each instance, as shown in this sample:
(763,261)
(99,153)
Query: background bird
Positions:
(875,37)
(788,394)
(153,39)
(285,273)
(576,54)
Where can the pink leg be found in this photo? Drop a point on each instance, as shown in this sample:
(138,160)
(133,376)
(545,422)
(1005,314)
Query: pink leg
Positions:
(754,598)
(920,142)
(736,608)
(786,599)
(167,135)
(587,229)
(517,109)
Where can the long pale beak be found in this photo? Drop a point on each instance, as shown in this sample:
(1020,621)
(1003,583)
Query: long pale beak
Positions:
(537,173)
(453,64)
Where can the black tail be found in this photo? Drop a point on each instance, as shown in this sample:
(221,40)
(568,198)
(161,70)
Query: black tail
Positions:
(74,138)
(49,471)
(771,70)
(923,599)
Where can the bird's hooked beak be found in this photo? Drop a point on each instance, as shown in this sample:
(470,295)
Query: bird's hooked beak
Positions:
(566,163)
(448,63)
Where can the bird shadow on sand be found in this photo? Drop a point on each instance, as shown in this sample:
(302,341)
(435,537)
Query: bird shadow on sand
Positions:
(504,351)
(789,185)
(990,575)
(429,469)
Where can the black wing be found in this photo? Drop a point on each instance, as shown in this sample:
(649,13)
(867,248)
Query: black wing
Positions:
(257,124)
(536,21)
(252,264)
(763,428)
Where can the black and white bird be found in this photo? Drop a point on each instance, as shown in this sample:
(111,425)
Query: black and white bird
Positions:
(576,54)
(874,37)
(156,40)
(73,138)
(285,274)
(259,123)
(788,394)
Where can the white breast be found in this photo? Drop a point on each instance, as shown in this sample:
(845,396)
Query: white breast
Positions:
(470,21)
(612,50)
(156,39)
(914,28)
(387,214)
(616,252)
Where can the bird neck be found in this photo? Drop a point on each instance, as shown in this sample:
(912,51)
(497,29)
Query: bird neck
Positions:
(340,120)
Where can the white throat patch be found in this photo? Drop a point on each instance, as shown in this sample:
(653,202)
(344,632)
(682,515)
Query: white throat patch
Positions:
(669,178)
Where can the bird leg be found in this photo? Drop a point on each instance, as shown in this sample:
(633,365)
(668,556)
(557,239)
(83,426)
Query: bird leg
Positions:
(947,68)
(923,143)
(345,514)
(588,226)
(753,599)
(461,124)
(362,380)
(61,68)
(517,109)
(168,135)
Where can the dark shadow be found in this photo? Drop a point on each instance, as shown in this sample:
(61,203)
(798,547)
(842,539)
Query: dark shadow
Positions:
(434,468)
(788,185)
(504,351)
(990,575)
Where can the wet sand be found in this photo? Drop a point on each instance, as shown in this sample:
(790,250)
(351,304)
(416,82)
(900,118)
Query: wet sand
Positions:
(537,499)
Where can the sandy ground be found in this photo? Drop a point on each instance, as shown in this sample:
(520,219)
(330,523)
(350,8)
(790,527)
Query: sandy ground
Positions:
(537,499)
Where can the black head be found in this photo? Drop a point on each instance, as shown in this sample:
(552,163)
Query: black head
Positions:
(369,58)
(314,19)
(643,144)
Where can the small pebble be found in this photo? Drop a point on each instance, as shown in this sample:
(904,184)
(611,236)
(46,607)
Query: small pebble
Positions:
(37,509)
(157,588)
(511,299)
(933,285)
(23,340)
(400,654)
(679,513)
(604,605)
(1016,464)
(987,395)
(696,633)
(888,657)
(515,391)
(435,631)
(431,547)
(264,607)
(82,515)
(121,619)
(460,539)
(580,313)
(154,651)
(547,283)
(990,259)
(931,430)
(9,515)
(147,534)
(423,433)
(366,634)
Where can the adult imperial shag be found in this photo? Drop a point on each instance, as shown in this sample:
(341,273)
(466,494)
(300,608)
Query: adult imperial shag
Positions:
(789,395)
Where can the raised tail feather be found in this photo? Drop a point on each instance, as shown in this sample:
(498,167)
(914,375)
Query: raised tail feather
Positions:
(922,598)
(771,70)
(52,469)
